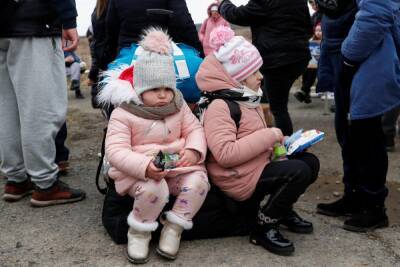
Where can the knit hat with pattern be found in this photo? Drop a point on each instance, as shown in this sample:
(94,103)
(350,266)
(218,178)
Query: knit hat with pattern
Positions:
(238,56)
(154,67)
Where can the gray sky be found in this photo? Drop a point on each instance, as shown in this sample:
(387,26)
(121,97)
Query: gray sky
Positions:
(196,7)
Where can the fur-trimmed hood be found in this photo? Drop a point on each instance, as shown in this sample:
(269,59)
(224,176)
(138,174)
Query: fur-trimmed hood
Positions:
(117,87)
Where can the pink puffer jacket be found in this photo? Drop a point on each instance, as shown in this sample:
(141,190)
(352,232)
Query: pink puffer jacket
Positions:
(206,28)
(238,156)
(132,142)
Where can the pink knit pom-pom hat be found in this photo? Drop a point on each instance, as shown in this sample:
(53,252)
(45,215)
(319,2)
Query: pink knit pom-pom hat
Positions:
(238,56)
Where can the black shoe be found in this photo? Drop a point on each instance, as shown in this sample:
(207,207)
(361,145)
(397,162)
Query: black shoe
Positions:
(78,94)
(296,224)
(269,237)
(346,206)
(367,220)
(302,97)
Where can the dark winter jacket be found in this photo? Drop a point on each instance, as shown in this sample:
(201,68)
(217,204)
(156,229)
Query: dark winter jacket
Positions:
(98,45)
(280,28)
(126,20)
(36,18)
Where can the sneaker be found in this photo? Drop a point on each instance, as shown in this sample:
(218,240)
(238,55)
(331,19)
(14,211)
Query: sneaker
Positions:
(15,191)
(58,193)
(367,220)
(345,206)
(329,96)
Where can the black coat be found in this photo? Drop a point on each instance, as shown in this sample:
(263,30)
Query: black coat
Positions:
(98,45)
(280,28)
(126,20)
(36,18)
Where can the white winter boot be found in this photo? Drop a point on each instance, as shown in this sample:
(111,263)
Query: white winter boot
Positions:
(139,236)
(170,237)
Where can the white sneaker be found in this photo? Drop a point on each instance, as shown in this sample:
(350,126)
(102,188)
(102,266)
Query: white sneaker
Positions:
(170,240)
(329,96)
(138,246)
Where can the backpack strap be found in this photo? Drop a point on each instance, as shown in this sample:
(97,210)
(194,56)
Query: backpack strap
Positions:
(234,109)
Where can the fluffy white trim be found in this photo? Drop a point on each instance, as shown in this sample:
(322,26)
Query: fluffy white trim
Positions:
(173,218)
(139,226)
(114,90)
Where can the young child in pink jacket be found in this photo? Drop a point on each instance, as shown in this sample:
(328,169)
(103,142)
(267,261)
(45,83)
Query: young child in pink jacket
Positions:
(240,159)
(152,116)
(213,20)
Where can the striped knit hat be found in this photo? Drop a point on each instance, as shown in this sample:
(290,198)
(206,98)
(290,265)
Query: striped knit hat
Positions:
(238,56)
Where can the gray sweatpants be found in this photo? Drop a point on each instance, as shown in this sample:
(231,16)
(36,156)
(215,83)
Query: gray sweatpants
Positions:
(33,106)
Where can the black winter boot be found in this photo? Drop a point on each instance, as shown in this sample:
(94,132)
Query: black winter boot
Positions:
(267,235)
(368,219)
(345,206)
(75,84)
(296,224)
(78,94)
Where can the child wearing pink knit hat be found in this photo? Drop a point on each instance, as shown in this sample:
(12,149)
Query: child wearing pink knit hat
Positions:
(240,160)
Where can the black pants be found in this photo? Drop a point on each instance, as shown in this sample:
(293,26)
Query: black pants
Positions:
(277,84)
(389,122)
(62,152)
(284,181)
(365,160)
(308,79)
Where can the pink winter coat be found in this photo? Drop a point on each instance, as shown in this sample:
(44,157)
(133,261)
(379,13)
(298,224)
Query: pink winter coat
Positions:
(238,156)
(132,142)
(208,25)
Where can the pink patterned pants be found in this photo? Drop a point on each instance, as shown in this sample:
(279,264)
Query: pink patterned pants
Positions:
(151,196)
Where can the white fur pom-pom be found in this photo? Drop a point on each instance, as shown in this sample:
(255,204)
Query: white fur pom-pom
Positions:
(156,40)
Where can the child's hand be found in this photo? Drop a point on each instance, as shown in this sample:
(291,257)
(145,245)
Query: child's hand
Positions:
(278,134)
(155,173)
(188,157)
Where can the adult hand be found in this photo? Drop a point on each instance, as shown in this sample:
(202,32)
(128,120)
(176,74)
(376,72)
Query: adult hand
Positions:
(90,82)
(188,157)
(69,59)
(70,39)
(155,173)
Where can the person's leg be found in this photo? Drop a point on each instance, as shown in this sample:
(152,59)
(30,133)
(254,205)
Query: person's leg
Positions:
(285,181)
(11,155)
(150,198)
(389,121)
(370,169)
(62,152)
(278,82)
(349,203)
(308,79)
(75,70)
(42,102)
(190,190)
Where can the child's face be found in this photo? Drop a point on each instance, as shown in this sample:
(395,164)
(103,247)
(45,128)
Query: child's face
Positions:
(157,97)
(318,32)
(253,81)
(215,14)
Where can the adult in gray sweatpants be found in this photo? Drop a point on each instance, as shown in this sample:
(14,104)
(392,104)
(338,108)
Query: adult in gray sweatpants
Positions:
(33,102)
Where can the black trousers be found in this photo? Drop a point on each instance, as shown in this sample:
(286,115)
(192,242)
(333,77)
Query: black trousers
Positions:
(62,152)
(308,79)
(277,84)
(284,181)
(365,160)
